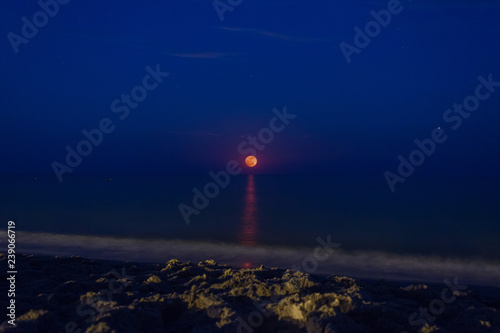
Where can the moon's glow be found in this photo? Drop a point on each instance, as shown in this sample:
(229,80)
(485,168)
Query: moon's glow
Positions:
(251,161)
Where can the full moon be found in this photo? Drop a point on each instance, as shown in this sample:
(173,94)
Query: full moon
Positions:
(251,161)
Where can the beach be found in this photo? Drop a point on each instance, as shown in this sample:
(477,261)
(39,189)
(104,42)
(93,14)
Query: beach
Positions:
(75,294)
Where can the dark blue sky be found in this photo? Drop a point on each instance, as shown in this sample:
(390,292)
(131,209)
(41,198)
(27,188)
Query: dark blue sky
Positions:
(227,76)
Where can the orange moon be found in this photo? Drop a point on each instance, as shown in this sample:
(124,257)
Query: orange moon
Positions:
(251,161)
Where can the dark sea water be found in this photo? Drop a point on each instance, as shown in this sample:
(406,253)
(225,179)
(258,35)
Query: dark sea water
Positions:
(448,217)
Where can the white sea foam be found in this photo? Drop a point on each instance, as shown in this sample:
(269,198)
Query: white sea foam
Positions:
(355,264)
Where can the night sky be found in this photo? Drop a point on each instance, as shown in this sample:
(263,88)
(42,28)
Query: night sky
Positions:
(226,77)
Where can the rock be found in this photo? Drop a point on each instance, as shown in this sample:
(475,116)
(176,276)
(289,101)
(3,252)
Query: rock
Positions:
(101,296)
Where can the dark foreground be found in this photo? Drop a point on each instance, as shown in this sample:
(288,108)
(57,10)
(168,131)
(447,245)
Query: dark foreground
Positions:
(74,294)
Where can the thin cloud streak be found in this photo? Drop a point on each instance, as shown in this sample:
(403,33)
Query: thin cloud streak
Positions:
(203,55)
(193,133)
(289,38)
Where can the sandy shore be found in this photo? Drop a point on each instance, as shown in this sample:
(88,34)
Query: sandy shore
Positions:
(359,264)
(74,294)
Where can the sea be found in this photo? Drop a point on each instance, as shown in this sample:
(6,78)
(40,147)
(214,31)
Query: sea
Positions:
(429,228)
